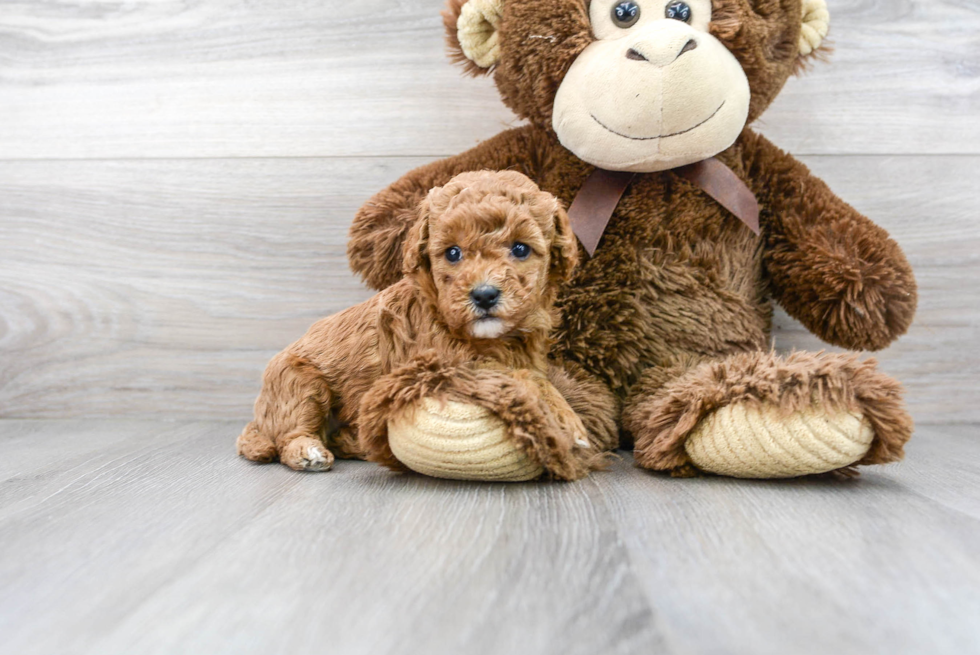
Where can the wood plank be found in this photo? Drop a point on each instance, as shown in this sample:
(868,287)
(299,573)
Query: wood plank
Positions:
(189,549)
(161,288)
(884,564)
(931,470)
(172,544)
(77,446)
(175,281)
(845,107)
(229,78)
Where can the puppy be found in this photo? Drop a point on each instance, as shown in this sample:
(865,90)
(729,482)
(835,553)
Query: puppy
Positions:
(483,263)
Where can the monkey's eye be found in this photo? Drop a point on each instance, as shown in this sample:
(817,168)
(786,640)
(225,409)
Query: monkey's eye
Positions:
(453,254)
(520,250)
(679,11)
(625,14)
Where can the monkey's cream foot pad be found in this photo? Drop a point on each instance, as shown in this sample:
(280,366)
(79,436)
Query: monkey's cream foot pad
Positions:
(458,441)
(746,440)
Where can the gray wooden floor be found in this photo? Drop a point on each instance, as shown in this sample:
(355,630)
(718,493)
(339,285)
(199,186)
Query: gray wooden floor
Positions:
(148,537)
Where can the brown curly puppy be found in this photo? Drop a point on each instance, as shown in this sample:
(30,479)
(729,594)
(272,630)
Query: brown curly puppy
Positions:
(471,318)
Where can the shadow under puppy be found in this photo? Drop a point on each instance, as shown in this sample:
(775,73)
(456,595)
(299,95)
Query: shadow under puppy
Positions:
(470,321)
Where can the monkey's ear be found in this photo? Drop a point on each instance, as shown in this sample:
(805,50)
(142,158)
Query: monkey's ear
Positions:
(564,248)
(816,23)
(416,251)
(471,32)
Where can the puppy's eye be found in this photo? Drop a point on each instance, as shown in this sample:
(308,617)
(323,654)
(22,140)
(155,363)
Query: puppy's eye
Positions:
(520,250)
(625,14)
(453,254)
(679,11)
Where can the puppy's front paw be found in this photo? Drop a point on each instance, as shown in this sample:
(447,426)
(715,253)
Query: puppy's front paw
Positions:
(571,427)
(306,454)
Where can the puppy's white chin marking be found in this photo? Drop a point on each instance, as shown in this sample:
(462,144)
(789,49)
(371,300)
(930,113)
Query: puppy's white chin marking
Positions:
(487,328)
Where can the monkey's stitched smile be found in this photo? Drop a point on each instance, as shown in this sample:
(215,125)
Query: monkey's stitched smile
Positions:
(661,136)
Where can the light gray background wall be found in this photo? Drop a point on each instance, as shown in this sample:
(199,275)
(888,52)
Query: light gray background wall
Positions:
(177,178)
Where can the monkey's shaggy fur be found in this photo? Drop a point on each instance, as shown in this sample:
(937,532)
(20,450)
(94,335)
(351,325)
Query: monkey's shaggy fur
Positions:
(674,311)
(353,370)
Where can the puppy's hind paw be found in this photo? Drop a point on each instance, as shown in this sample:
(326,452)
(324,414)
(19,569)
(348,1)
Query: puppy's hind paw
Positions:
(255,446)
(307,454)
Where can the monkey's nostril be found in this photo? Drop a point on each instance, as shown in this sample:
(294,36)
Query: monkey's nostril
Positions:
(485,296)
(690,45)
(635,55)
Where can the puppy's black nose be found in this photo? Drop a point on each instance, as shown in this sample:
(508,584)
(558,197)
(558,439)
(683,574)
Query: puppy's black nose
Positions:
(485,296)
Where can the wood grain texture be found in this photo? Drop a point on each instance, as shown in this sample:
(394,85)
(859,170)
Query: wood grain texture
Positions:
(168,543)
(142,537)
(161,288)
(297,78)
(888,565)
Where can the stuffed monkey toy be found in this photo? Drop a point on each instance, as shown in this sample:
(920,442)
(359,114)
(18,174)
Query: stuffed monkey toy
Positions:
(690,225)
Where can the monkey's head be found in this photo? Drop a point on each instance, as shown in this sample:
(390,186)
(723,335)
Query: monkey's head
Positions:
(638,85)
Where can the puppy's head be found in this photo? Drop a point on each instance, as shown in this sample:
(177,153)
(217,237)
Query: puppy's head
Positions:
(489,251)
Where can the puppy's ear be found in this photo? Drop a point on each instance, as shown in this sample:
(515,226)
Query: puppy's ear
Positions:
(416,253)
(564,248)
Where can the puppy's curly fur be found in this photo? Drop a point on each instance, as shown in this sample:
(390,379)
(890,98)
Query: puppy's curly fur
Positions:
(331,392)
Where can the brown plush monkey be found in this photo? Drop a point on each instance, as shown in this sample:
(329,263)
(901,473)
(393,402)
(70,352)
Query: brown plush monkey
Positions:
(637,113)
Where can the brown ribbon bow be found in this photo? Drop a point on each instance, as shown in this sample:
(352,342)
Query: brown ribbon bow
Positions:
(597,199)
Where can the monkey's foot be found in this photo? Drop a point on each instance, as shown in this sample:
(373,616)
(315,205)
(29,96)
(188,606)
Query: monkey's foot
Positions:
(459,441)
(749,440)
(759,415)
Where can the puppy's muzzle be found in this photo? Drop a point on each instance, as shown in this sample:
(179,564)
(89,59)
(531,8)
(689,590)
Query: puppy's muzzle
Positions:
(485,297)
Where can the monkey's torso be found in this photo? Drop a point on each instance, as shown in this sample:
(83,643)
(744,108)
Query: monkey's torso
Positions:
(674,274)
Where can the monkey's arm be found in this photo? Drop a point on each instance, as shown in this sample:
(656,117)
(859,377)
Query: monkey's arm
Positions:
(375,246)
(829,266)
